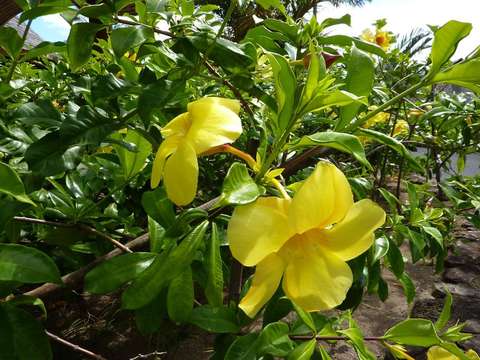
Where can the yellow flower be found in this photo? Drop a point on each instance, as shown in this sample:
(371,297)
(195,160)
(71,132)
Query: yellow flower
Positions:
(209,122)
(398,351)
(368,35)
(401,127)
(306,240)
(379,118)
(381,38)
(439,353)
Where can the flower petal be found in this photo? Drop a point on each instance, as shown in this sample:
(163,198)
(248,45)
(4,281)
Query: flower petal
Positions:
(354,234)
(439,353)
(314,279)
(166,148)
(215,121)
(181,174)
(178,126)
(258,229)
(265,282)
(323,199)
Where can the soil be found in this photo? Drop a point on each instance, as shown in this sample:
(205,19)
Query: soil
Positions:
(98,324)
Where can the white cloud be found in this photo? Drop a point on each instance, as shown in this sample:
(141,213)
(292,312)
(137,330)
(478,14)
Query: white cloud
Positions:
(404,15)
(51,27)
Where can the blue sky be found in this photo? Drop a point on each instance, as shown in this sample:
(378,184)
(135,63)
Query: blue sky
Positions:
(402,16)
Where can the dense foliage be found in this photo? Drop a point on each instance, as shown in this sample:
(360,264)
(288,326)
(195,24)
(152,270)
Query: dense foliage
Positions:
(141,154)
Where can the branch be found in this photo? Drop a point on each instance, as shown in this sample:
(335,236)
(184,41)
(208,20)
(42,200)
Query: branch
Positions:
(85,228)
(71,279)
(154,28)
(74,347)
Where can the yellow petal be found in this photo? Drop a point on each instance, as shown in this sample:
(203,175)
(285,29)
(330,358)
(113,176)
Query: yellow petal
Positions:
(177,127)
(439,353)
(323,199)
(265,282)
(181,174)
(215,121)
(314,279)
(472,354)
(354,234)
(258,229)
(166,148)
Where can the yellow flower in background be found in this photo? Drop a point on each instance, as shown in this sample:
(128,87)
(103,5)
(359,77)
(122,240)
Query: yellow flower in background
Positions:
(401,128)
(306,240)
(379,118)
(208,122)
(439,353)
(381,38)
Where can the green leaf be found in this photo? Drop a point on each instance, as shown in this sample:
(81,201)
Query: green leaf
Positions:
(156,5)
(341,141)
(323,353)
(243,348)
(344,20)
(7,346)
(435,234)
(126,38)
(446,312)
(455,350)
(391,199)
(10,41)
(274,340)
(285,87)
(180,297)
(214,287)
(41,11)
(335,98)
(412,195)
(344,40)
(29,339)
(41,113)
(304,351)
(157,205)
(149,319)
(45,48)
(445,43)
(132,161)
(113,273)
(316,72)
(80,42)
(163,269)
(465,74)
(306,317)
(394,144)
(215,319)
(380,249)
(95,11)
(156,233)
(408,287)
(276,4)
(11,184)
(359,81)
(238,187)
(356,337)
(27,265)
(395,259)
(414,332)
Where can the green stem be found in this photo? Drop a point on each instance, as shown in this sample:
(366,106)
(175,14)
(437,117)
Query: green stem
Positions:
(385,106)
(14,63)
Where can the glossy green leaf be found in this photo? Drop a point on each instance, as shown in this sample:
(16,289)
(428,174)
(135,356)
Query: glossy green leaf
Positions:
(132,161)
(274,340)
(150,318)
(465,74)
(285,87)
(95,11)
(435,234)
(339,141)
(335,98)
(380,249)
(113,273)
(163,269)
(126,38)
(215,319)
(29,339)
(391,199)
(304,351)
(395,259)
(157,205)
(180,297)
(27,265)
(238,187)
(156,233)
(356,337)
(214,287)
(41,113)
(444,316)
(10,41)
(11,184)
(80,42)
(344,40)
(359,81)
(41,11)
(408,287)
(394,144)
(323,353)
(316,72)
(156,5)
(45,48)
(305,317)
(445,43)
(414,332)
(243,348)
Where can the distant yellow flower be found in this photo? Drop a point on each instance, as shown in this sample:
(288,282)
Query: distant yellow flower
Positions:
(209,122)
(401,128)
(439,353)
(379,118)
(306,240)
(381,38)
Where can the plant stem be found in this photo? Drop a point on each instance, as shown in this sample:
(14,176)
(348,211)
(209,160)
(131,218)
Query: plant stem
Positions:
(74,347)
(280,188)
(234,151)
(14,63)
(334,338)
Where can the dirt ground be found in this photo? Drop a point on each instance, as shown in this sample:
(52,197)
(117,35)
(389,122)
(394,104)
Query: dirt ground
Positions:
(97,323)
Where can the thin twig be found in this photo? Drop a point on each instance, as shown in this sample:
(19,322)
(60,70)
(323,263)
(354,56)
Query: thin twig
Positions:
(148,356)
(154,28)
(333,338)
(74,347)
(85,228)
